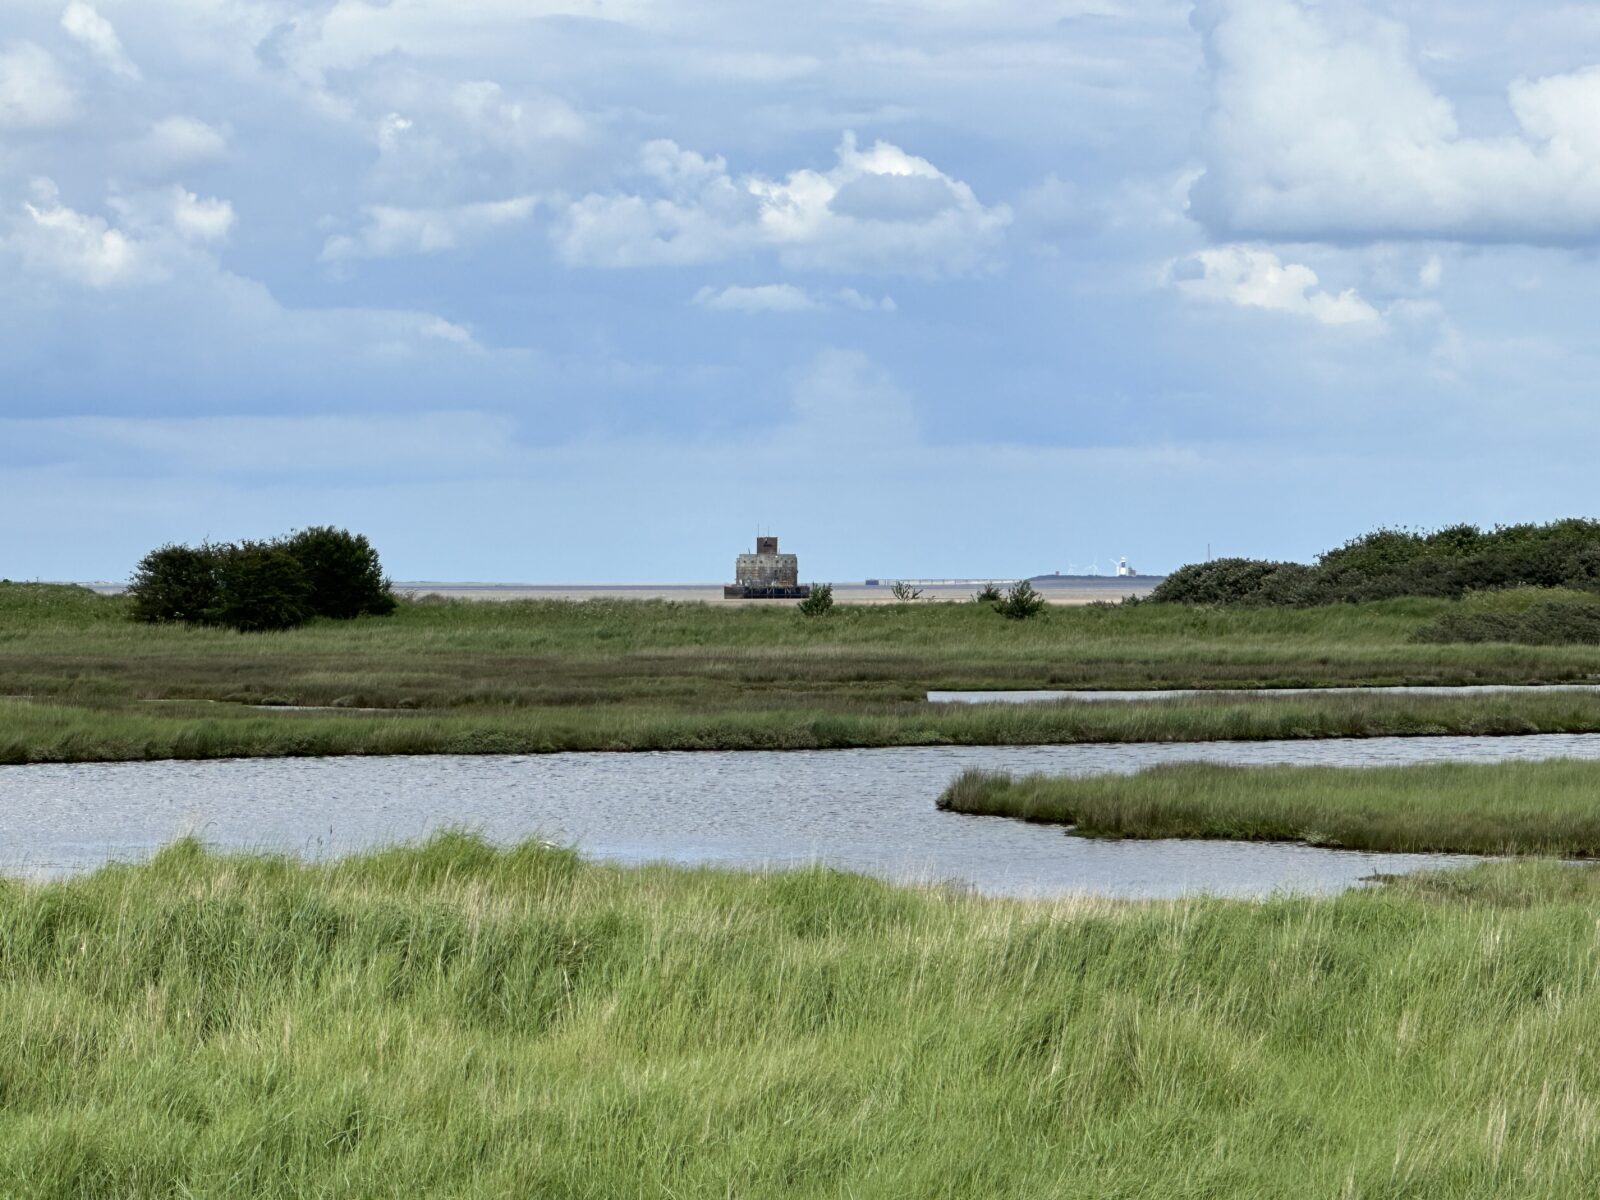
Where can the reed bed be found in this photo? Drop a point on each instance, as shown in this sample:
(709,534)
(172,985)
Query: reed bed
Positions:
(455,1020)
(1539,808)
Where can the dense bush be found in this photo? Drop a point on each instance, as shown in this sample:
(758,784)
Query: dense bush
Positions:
(176,583)
(262,586)
(1388,563)
(343,572)
(1221,581)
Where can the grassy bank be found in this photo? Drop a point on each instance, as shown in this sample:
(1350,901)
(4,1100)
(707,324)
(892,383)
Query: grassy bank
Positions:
(1549,808)
(33,732)
(453,1021)
(79,680)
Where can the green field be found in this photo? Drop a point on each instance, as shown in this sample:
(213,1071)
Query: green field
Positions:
(1548,808)
(79,680)
(453,1021)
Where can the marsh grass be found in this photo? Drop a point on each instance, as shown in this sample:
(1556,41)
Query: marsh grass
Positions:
(465,677)
(1545,808)
(454,1020)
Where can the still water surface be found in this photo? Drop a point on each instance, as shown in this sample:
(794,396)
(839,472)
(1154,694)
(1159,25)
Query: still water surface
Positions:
(1044,696)
(865,810)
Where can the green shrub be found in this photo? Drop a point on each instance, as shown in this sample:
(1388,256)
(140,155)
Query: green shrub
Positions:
(342,568)
(261,588)
(819,602)
(905,593)
(176,583)
(1021,601)
(988,594)
(1225,581)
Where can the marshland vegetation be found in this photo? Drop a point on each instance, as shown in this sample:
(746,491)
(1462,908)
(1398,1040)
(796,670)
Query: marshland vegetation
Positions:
(80,680)
(457,1020)
(1541,808)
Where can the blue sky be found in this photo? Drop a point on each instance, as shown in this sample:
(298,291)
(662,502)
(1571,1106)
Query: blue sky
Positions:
(561,290)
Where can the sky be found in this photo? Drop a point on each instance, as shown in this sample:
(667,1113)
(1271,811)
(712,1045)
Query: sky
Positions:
(592,290)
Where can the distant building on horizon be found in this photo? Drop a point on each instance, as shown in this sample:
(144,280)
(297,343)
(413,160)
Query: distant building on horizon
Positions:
(766,575)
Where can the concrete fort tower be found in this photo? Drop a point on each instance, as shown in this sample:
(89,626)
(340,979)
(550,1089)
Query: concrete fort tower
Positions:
(766,575)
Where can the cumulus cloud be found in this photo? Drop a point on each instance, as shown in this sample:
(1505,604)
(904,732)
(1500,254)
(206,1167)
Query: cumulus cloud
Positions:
(390,232)
(878,210)
(33,92)
(99,36)
(177,142)
(1322,128)
(438,139)
(1254,277)
(153,234)
(786,298)
(201,220)
(57,241)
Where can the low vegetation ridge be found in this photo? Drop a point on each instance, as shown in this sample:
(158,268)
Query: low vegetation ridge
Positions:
(1451,562)
(1545,808)
(454,1020)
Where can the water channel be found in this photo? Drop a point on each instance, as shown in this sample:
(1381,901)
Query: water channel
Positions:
(1099,696)
(865,810)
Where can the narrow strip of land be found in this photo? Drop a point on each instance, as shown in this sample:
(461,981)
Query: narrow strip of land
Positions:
(1545,808)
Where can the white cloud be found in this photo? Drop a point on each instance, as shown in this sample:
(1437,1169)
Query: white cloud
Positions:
(766,297)
(787,298)
(449,331)
(60,242)
(1254,277)
(201,220)
(390,231)
(851,298)
(877,211)
(176,142)
(155,233)
(33,92)
(87,26)
(1322,128)
(438,139)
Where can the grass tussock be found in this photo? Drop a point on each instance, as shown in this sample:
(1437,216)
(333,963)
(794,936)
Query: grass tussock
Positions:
(1544,808)
(454,1020)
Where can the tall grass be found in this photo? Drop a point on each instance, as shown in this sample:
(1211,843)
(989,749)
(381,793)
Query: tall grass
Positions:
(1550,808)
(457,1021)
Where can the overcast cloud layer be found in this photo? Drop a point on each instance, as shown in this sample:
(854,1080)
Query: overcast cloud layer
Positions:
(590,289)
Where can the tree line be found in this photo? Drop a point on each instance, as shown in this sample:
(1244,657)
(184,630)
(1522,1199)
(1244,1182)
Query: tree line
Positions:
(260,586)
(1390,563)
